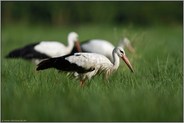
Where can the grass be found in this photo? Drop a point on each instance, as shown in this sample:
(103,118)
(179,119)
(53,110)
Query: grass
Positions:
(152,93)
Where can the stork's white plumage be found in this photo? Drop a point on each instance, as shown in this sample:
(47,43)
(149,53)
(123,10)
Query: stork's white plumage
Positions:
(56,49)
(104,47)
(46,49)
(98,46)
(86,65)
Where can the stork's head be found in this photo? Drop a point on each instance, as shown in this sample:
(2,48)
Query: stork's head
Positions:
(73,36)
(73,39)
(121,53)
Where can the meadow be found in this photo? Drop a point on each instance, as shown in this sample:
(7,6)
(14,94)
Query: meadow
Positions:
(154,92)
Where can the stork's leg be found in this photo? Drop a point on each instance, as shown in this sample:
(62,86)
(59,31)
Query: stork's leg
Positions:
(106,76)
(82,83)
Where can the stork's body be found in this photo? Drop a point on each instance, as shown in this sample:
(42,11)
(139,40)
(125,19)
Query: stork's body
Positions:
(103,47)
(45,49)
(86,65)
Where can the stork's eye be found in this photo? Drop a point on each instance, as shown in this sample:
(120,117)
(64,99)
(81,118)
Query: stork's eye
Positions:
(121,51)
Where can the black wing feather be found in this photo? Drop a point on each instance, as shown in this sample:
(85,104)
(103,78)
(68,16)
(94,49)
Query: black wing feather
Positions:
(27,52)
(60,63)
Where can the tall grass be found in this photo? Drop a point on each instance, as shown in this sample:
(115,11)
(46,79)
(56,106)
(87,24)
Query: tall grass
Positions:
(152,93)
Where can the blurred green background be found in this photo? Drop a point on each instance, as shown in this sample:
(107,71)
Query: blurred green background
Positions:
(153,93)
(77,12)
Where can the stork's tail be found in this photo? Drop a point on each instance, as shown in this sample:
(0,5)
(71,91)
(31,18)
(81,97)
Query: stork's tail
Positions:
(14,54)
(45,64)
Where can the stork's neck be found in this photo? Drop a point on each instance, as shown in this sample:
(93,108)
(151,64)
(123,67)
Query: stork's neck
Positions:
(116,60)
(70,44)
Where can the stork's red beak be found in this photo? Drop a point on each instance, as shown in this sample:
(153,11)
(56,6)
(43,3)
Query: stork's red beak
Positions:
(125,59)
(77,45)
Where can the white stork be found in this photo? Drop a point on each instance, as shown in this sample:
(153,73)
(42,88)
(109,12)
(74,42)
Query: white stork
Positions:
(103,47)
(86,65)
(46,49)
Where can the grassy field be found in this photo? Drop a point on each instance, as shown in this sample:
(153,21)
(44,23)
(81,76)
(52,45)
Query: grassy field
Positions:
(152,93)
